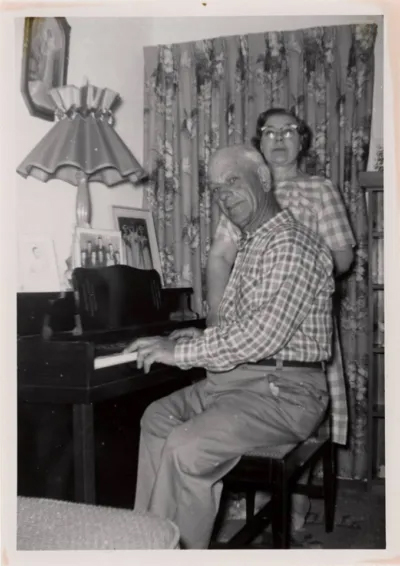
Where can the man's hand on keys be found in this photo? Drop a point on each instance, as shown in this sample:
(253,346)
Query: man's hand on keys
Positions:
(184,334)
(152,349)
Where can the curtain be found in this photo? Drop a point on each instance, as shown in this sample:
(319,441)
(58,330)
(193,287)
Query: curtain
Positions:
(204,94)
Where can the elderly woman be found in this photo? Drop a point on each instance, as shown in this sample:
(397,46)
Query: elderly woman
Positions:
(283,139)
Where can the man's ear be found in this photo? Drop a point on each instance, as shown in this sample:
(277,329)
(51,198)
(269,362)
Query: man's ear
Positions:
(265,177)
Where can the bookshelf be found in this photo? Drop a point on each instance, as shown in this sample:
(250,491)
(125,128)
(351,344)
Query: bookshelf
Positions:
(372,182)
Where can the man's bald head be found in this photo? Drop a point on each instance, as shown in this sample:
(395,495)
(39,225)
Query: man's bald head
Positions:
(242,156)
(241,181)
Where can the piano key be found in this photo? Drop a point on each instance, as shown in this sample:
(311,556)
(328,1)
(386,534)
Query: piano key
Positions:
(114,360)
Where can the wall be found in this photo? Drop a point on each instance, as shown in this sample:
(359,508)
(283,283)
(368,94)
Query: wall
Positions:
(109,52)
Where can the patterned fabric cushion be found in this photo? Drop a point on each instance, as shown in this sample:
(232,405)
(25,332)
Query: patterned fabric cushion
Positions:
(46,524)
(278,452)
(271,452)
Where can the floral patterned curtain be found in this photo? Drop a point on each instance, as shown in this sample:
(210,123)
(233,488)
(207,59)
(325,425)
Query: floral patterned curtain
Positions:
(204,94)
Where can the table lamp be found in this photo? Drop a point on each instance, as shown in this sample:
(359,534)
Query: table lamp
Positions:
(83,146)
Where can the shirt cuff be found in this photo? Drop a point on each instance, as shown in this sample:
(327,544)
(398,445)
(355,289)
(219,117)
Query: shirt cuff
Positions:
(182,356)
(191,353)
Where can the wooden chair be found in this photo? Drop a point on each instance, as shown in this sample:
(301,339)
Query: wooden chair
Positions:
(276,471)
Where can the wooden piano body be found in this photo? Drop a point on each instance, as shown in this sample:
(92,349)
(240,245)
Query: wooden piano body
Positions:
(97,411)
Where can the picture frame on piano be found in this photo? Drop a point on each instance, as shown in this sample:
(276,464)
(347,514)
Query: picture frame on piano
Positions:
(37,264)
(95,248)
(139,241)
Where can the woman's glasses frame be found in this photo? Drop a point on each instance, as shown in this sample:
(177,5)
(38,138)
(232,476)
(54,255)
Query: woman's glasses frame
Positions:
(287,132)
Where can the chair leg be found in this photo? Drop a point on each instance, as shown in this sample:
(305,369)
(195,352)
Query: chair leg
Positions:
(329,480)
(280,516)
(220,516)
(250,503)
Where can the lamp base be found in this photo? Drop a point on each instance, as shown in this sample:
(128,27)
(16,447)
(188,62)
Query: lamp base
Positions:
(83,217)
(83,204)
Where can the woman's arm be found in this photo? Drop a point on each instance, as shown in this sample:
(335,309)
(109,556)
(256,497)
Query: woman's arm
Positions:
(334,227)
(343,259)
(219,265)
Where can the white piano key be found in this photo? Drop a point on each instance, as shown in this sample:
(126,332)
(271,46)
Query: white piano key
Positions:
(114,360)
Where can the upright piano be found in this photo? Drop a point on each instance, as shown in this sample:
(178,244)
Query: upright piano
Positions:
(70,353)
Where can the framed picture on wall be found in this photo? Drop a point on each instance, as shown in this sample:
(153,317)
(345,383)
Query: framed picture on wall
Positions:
(44,63)
(97,248)
(139,242)
(37,264)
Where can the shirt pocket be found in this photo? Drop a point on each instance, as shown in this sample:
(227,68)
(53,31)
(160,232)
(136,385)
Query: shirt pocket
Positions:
(299,394)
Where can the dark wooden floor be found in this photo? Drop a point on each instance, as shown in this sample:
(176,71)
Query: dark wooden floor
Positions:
(359,521)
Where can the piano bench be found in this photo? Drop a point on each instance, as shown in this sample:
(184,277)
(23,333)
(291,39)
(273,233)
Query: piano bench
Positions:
(276,471)
(49,524)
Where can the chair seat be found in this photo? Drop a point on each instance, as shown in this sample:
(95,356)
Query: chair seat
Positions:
(47,524)
(284,449)
(265,464)
(271,452)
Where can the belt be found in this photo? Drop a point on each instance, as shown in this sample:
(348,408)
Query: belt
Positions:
(291,364)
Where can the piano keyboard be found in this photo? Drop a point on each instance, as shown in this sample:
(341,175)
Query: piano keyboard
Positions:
(114,360)
(108,348)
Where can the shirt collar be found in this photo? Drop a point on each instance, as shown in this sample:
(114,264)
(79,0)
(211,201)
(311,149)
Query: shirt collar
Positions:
(269,225)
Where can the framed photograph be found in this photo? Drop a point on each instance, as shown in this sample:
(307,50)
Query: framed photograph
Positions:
(97,248)
(44,63)
(139,242)
(37,264)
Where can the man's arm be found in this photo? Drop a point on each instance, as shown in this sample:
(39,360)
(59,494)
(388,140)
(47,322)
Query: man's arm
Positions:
(219,265)
(280,299)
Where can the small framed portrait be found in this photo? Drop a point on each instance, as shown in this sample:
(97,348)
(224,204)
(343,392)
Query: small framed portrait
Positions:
(44,63)
(97,248)
(139,242)
(37,264)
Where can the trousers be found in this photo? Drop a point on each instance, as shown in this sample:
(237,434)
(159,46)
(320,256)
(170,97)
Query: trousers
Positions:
(192,438)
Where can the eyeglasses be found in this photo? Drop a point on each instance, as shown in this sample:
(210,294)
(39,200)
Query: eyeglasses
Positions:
(287,132)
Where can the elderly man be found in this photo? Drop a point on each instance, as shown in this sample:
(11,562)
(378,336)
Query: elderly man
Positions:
(276,308)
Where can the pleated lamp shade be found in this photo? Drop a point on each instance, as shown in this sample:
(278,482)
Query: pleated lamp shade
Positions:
(83,145)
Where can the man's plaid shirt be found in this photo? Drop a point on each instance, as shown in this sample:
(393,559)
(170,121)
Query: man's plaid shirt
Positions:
(316,203)
(277,304)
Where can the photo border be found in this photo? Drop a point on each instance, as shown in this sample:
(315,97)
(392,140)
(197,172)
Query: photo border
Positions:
(141,214)
(51,279)
(34,109)
(95,232)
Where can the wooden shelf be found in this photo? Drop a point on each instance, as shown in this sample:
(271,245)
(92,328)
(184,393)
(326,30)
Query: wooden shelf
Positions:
(378,411)
(378,481)
(371,180)
(379,350)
